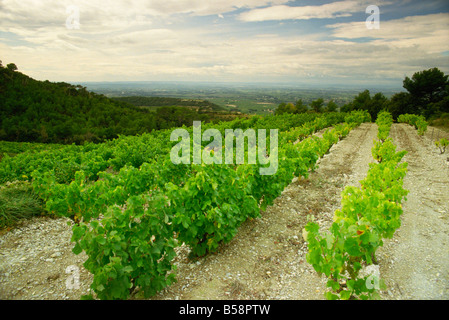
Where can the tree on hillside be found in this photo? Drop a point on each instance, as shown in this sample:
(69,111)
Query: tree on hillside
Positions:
(364,101)
(429,86)
(376,104)
(317,105)
(43,111)
(400,103)
(300,107)
(440,106)
(11,66)
(361,100)
(427,89)
(285,108)
(280,109)
(359,103)
(331,106)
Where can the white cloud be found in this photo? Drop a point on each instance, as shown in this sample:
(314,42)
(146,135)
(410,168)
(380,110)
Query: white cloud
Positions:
(284,12)
(130,40)
(115,14)
(428,32)
(338,9)
(202,7)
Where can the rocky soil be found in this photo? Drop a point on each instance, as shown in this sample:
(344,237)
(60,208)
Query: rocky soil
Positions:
(266,260)
(415,264)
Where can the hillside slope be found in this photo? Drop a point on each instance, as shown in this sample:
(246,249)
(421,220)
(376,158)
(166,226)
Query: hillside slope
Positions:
(44,111)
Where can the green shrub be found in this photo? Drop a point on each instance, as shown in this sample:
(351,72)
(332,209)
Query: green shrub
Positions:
(442,144)
(419,122)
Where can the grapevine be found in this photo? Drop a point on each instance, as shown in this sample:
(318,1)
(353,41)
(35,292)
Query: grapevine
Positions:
(368,214)
(419,122)
(132,206)
(442,144)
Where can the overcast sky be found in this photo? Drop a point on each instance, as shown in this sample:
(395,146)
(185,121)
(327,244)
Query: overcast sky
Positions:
(224,40)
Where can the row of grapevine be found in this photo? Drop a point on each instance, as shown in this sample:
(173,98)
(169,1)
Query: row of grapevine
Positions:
(368,214)
(64,161)
(146,212)
(88,199)
(132,206)
(419,122)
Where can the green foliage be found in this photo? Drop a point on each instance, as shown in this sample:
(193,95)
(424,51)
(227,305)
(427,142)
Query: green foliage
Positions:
(364,101)
(129,248)
(13,148)
(427,92)
(47,112)
(331,106)
(285,108)
(442,144)
(317,105)
(367,215)
(301,107)
(358,117)
(384,122)
(132,206)
(400,103)
(11,67)
(419,122)
(385,151)
(422,126)
(428,85)
(442,121)
(211,206)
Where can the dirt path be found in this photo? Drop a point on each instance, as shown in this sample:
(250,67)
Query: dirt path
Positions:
(266,260)
(415,264)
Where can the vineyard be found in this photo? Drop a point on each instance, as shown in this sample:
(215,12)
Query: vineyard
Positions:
(143,227)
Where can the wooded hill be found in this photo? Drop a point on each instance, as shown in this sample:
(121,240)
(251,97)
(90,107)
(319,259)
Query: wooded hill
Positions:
(58,112)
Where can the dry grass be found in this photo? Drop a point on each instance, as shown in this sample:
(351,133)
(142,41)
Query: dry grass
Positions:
(18,202)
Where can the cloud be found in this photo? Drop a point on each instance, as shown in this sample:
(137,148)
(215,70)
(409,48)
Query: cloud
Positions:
(41,22)
(202,8)
(167,40)
(428,32)
(122,13)
(284,12)
(29,14)
(338,9)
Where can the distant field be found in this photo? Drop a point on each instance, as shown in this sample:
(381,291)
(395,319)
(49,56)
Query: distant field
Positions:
(157,102)
(246,106)
(246,98)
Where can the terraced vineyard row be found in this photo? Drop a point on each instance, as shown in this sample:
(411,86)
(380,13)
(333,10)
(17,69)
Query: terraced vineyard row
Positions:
(129,222)
(368,215)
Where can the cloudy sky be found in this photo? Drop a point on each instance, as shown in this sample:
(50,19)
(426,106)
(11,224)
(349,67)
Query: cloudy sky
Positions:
(224,40)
